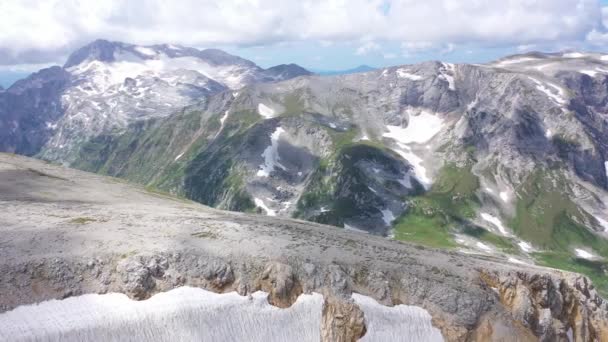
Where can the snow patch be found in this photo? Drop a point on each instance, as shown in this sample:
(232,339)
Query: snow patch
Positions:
(265,111)
(581,253)
(573,55)
(271,155)
(591,73)
(504,196)
(515,61)
(353,229)
(182,314)
(420,129)
(403,73)
(496,222)
(526,247)
(602,223)
(179,156)
(516,261)
(447,73)
(388,216)
(484,247)
(260,203)
(406,323)
(419,170)
(557,94)
(145,51)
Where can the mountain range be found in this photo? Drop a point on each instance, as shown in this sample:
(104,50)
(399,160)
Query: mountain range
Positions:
(508,158)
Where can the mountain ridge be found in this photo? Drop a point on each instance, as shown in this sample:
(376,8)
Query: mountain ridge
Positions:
(507,159)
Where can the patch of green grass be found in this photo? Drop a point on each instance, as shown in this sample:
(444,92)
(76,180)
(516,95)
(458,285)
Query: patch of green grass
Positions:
(82,220)
(450,202)
(426,230)
(502,243)
(547,217)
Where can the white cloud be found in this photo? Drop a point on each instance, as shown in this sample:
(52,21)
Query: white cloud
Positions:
(389,55)
(42,29)
(367,47)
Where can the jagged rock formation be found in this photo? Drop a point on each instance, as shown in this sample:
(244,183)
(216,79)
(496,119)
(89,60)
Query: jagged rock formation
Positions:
(66,233)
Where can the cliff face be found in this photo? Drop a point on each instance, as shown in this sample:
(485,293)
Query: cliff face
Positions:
(67,233)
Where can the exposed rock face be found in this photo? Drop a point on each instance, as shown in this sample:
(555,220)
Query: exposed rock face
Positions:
(68,232)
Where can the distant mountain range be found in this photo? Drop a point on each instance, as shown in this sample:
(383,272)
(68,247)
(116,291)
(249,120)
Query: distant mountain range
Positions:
(360,68)
(507,159)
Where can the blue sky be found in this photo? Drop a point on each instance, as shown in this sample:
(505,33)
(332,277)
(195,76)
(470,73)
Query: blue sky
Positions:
(317,34)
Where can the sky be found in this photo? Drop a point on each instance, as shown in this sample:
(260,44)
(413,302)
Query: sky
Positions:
(317,34)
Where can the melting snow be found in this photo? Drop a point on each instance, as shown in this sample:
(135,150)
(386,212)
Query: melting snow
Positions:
(606,167)
(182,314)
(403,73)
(416,162)
(516,261)
(388,216)
(504,196)
(271,155)
(406,323)
(526,247)
(557,96)
(573,55)
(145,51)
(260,203)
(591,73)
(447,73)
(353,229)
(495,221)
(581,253)
(516,61)
(483,247)
(420,129)
(265,111)
(602,223)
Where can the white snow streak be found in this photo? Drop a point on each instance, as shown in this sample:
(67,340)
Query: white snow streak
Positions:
(179,156)
(260,203)
(271,155)
(182,314)
(504,196)
(496,222)
(526,247)
(145,51)
(420,129)
(406,323)
(265,111)
(574,55)
(403,73)
(388,216)
(557,94)
(419,171)
(581,253)
(353,229)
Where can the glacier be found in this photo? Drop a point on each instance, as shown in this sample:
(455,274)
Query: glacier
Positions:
(182,314)
(194,314)
(405,323)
